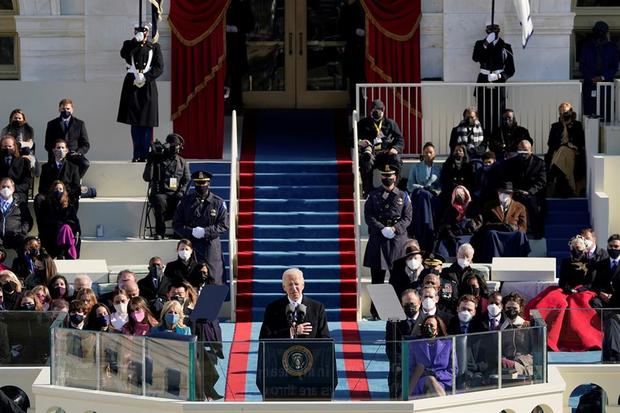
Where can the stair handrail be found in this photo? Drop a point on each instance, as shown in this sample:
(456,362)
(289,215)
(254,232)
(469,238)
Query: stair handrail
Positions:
(357,205)
(232,231)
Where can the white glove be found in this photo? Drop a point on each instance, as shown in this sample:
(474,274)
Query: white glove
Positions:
(231,28)
(388,232)
(139,37)
(198,232)
(492,77)
(360,32)
(490,37)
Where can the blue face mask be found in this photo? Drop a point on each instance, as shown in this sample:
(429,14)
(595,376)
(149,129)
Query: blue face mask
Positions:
(171,319)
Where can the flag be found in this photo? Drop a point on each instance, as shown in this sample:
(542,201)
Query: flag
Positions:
(525,19)
(156,11)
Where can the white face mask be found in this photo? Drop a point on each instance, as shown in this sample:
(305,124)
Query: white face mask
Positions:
(465,316)
(494,310)
(185,254)
(6,193)
(463,262)
(413,264)
(428,304)
(504,198)
(121,308)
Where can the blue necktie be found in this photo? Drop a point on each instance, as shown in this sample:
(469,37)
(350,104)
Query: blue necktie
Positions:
(5,207)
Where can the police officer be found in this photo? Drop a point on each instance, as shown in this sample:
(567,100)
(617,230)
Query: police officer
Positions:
(381,142)
(496,66)
(168,174)
(201,217)
(388,214)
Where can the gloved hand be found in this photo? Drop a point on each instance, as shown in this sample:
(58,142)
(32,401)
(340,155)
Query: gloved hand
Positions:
(490,37)
(198,232)
(139,80)
(231,28)
(388,232)
(360,32)
(507,364)
(492,77)
(139,37)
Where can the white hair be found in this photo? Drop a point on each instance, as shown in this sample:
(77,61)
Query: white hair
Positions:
(465,250)
(292,272)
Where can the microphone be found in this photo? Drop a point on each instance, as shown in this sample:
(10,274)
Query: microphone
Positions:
(301,313)
(290,313)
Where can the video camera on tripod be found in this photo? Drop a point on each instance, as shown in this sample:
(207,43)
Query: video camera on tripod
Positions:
(173,146)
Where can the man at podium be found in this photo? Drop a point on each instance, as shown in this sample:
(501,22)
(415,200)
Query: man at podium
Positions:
(294,315)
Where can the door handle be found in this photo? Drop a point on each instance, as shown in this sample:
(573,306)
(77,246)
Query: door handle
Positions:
(301,44)
(290,43)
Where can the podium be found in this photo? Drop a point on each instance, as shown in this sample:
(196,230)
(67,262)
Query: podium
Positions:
(296,369)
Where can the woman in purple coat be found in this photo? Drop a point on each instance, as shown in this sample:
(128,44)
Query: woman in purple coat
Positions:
(430,360)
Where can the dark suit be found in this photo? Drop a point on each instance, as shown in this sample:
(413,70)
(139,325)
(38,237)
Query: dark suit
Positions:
(15,224)
(68,173)
(399,277)
(19,171)
(485,322)
(76,137)
(474,326)
(394,333)
(276,325)
(603,277)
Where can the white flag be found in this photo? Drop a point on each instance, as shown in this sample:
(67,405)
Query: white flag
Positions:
(525,19)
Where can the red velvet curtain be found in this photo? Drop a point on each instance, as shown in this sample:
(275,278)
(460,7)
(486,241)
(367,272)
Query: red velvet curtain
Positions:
(393,56)
(198,73)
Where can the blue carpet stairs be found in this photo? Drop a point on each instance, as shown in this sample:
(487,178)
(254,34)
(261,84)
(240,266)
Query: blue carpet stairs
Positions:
(566,217)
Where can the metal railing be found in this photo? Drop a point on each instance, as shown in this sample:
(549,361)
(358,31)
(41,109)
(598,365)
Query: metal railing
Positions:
(606,101)
(428,111)
(234,207)
(357,205)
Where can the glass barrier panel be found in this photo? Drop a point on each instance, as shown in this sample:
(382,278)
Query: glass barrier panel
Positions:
(429,367)
(75,358)
(120,363)
(25,337)
(520,356)
(610,352)
(169,367)
(212,368)
(476,356)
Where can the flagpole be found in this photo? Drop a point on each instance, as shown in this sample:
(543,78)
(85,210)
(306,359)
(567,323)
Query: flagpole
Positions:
(492,12)
(140,12)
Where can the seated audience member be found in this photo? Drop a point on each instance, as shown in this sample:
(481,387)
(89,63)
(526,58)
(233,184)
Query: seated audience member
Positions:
(15,167)
(456,171)
(131,289)
(503,231)
(23,264)
(3,266)
(380,143)
(29,302)
(430,360)
(527,173)
(493,318)
(406,271)
(44,271)
(11,291)
(432,263)
(605,272)
(73,132)
(486,179)
(474,284)
(171,320)
(460,221)
(151,285)
(43,296)
(566,157)
(82,281)
(57,169)
(516,345)
(469,133)
(140,319)
(395,331)
(447,290)
(122,278)
(572,324)
(424,187)
(59,288)
(186,267)
(120,316)
(593,252)
(59,225)
(16,220)
(430,301)
(77,315)
(505,139)
(577,246)
(59,305)
(19,128)
(88,296)
(466,321)
(98,319)
(460,269)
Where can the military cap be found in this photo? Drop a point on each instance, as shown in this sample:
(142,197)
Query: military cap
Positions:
(202,176)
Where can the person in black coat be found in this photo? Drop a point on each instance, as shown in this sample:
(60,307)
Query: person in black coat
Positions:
(15,218)
(138,105)
(527,173)
(239,22)
(15,167)
(150,285)
(202,217)
(56,212)
(73,131)
(186,267)
(19,128)
(406,271)
(456,171)
(504,139)
(311,325)
(606,275)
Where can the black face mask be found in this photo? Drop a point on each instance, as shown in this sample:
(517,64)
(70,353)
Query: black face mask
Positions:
(577,255)
(511,313)
(15,124)
(458,156)
(156,271)
(8,288)
(178,298)
(507,122)
(475,291)
(376,115)
(567,115)
(202,190)
(410,310)
(76,319)
(427,331)
(387,182)
(27,307)
(613,254)
(65,114)
(101,322)
(6,152)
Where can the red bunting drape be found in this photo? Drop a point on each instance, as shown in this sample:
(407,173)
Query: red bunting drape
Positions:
(393,56)
(198,73)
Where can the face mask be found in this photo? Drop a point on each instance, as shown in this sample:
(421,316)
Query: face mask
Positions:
(27,307)
(156,271)
(577,254)
(523,155)
(185,254)
(511,313)
(102,321)
(76,319)
(8,288)
(387,182)
(465,316)
(121,308)
(138,316)
(471,121)
(494,310)
(410,310)
(567,115)
(486,167)
(504,198)
(178,298)
(6,152)
(458,156)
(60,153)
(507,122)
(171,319)
(463,262)
(6,193)
(15,124)
(58,292)
(428,304)
(376,115)
(58,194)
(413,264)
(613,254)
(427,331)
(473,290)
(65,114)
(202,189)
(33,252)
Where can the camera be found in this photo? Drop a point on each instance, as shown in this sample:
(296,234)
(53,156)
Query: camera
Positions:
(158,148)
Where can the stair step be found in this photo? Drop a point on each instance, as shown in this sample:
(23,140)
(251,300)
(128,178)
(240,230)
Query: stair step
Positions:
(567,204)
(312,288)
(297,244)
(299,166)
(330,300)
(291,191)
(296,259)
(332,314)
(311,272)
(291,231)
(214,167)
(295,218)
(305,178)
(578,218)
(565,231)
(297,205)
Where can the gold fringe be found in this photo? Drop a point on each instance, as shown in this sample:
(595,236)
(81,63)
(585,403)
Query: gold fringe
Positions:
(387,33)
(204,35)
(158,7)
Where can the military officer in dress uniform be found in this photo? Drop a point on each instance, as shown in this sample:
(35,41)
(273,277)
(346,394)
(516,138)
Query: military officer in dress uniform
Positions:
(496,66)
(388,214)
(202,217)
(138,106)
